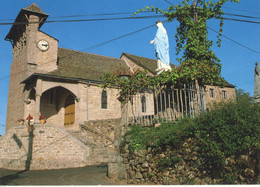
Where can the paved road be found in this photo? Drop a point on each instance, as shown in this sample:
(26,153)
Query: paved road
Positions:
(92,175)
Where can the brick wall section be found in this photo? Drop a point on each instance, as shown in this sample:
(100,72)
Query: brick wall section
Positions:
(52,148)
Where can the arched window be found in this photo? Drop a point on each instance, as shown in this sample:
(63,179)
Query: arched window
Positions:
(104,100)
(143,101)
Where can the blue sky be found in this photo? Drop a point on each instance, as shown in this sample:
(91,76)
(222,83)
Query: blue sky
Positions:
(237,62)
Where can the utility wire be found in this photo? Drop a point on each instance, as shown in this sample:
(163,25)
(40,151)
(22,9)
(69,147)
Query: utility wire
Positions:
(235,41)
(240,20)
(240,10)
(84,20)
(244,16)
(85,15)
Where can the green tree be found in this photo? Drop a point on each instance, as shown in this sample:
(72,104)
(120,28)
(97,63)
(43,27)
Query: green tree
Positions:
(198,60)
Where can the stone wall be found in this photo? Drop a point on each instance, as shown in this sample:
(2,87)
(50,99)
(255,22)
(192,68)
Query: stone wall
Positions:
(143,166)
(101,131)
(218,95)
(48,147)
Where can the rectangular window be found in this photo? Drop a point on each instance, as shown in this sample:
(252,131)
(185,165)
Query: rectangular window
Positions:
(224,94)
(104,100)
(143,101)
(211,92)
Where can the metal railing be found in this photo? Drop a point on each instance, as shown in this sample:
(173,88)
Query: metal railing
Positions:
(165,105)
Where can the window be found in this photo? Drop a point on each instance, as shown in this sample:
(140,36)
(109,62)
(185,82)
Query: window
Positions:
(143,101)
(224,94)
(211,92)
(104,100)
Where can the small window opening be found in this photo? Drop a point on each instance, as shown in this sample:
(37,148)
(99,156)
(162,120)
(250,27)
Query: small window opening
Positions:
(104,100)
(143,101)
(211,92)
(224,94)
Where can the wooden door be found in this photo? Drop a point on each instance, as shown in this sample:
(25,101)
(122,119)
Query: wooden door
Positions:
(69,117)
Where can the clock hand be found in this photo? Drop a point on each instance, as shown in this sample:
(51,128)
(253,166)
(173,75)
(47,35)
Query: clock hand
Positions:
(45,45)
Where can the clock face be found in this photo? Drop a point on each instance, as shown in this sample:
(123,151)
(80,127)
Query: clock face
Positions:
(43,45)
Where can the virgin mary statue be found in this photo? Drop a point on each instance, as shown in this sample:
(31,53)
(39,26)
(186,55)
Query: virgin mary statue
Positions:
(161,44)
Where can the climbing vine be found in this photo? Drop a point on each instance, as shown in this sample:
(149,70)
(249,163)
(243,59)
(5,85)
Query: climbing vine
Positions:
(198,61)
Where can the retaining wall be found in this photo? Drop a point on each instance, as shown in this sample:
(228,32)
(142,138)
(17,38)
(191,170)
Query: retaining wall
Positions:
(46,147)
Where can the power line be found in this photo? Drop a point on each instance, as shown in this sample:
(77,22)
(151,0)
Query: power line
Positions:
(85,20)
(241,10)
(235,41)
(239,15)
(240,20)
(85,15)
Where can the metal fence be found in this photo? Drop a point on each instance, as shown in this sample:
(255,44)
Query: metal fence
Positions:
(165,105)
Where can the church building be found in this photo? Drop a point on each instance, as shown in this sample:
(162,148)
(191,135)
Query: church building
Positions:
(62,84)
(84,121)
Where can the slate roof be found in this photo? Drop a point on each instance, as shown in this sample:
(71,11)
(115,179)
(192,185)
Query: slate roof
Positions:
(87,66)
(147,63)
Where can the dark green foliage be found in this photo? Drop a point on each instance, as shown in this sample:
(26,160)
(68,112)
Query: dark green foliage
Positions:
(168,162)
(231,128)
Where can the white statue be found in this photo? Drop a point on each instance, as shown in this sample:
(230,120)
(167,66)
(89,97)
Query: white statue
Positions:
(161,44)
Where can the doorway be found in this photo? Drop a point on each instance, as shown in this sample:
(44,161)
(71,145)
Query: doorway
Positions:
(69,115)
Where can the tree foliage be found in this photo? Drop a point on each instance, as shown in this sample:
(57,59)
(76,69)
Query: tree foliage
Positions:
(198,62)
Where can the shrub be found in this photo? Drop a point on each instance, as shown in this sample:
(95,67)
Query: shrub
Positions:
(231,128)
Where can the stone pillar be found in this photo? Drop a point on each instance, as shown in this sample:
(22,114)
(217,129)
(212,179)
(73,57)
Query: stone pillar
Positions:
(38,100)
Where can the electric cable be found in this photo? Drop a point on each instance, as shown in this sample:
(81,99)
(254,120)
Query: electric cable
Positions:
(234,41)
(240,20)
(84,20)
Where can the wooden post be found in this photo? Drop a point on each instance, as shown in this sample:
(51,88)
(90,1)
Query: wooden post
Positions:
(195,11)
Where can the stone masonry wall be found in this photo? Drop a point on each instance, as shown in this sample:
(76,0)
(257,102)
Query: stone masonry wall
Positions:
(143,166)
(101,131)
(51,148)
(218,97)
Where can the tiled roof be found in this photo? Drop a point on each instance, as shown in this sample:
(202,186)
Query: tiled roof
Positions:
(87,66)
(147,63)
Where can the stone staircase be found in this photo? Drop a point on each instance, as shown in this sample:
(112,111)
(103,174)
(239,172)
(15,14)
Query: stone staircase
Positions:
(99,153)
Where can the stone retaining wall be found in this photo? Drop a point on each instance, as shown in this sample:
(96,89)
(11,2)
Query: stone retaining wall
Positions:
(102,132)
(143,166)
(48,147)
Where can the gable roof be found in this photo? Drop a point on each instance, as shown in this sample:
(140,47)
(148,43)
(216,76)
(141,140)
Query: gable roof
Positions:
(146,63)
(87,66)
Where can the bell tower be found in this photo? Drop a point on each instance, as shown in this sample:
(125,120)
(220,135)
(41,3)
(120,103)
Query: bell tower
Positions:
(23,37)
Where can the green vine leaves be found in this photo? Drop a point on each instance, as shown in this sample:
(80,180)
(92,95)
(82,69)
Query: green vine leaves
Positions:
(198,60)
